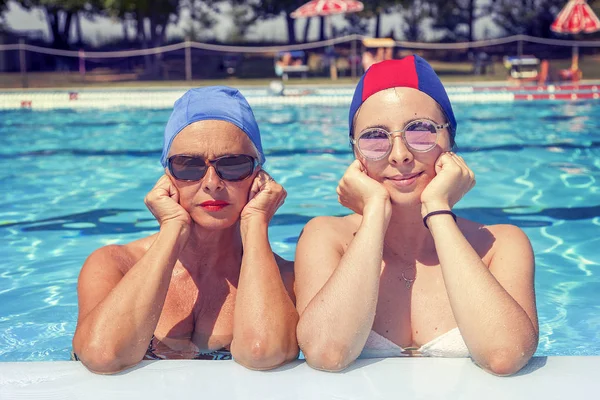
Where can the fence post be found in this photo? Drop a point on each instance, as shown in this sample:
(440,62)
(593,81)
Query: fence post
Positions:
(82,64)
(23,64)
(520,47)
(354,60)
(188,60)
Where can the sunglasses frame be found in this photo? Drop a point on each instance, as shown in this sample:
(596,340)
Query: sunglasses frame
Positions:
(402,131)
(209,163)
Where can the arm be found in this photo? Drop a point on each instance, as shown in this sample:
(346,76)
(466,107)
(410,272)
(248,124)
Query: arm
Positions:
(494,307)
(119,313)
(337,290)
(264,328)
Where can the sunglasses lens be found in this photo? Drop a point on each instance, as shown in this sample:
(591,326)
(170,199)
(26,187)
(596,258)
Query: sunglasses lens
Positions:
(235,168)
(421,135)
(187,168)
(374,144)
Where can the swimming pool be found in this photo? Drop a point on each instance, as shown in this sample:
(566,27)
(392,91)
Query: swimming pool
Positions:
(74,180)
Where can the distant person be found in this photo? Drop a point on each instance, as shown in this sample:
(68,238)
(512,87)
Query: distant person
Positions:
(284,60)
(207,285)
(403,275)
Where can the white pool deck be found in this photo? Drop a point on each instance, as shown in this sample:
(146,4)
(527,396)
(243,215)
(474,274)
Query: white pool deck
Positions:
(390,378)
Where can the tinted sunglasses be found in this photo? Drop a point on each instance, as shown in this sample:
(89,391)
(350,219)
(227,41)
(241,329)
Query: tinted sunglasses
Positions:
(229,168)
(419,135)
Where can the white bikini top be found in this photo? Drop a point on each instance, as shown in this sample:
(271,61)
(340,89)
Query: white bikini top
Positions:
(450,344)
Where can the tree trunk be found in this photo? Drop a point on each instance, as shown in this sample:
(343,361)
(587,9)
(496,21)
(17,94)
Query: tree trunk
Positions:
(378,25)
(51,19)
(142,38)
(291,29)
(322,28)
(125,30)
(78,29)
(471,19)
(306,29)
(66,28)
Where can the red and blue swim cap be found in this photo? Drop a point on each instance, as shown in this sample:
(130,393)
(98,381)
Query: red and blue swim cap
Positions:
(413,72)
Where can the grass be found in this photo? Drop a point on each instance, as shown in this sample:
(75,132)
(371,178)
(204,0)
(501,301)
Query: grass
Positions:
(448,72)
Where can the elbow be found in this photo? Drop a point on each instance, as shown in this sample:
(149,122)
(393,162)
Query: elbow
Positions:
(328,356)
(262,354)
(100,360)
(506,362)
(102,363)
(330,359)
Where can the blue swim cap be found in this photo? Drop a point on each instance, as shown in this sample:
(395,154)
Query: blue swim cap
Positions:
(212,103)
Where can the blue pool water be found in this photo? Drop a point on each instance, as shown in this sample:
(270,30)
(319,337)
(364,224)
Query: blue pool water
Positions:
(73,181)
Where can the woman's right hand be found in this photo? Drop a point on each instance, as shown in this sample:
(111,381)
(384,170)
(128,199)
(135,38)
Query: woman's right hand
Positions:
(163,203)
(356,190)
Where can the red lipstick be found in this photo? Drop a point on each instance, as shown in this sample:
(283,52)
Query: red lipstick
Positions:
(214,205)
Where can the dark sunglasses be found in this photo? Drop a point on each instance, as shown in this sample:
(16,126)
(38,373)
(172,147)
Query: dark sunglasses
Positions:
(233,168)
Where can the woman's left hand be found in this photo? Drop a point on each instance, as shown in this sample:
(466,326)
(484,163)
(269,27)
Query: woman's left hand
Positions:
(452,181)
(265,197)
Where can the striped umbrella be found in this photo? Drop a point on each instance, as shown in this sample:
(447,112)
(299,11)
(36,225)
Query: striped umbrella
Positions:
(576,17)
(318,8)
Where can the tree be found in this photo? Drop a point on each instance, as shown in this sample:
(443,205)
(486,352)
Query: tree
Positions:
(59,16)
(456,18)
(528,17)
(268,9)
(413,16)
(151,17)
(376,9)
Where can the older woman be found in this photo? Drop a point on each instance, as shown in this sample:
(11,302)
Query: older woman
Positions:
(403,275)
(207,285)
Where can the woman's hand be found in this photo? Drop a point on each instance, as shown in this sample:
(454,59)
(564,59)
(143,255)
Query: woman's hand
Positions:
(265,197)
(452,181)
(163,203)
(356,190)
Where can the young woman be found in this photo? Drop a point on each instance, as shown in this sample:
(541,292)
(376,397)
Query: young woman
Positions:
(403,275)
(207,285)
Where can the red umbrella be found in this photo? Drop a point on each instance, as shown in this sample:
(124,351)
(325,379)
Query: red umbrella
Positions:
(317,8)
(576,17)
(322,8)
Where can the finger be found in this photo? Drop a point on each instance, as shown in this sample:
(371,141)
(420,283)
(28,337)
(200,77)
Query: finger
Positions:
(173,192)
(264,176)
(460,161)
(356,166)
(162,181)
(256,187)
(443,160)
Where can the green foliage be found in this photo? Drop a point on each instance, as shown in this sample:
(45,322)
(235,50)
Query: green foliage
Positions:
(413,15)
(455,18)
(62,5)
(529,17)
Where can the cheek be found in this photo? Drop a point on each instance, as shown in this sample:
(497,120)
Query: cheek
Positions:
(239,193)
(375,169)
(187,192)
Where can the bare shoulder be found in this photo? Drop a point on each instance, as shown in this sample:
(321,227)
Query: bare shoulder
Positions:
(337,231)
(510,241)
(119,257)
(494,242)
